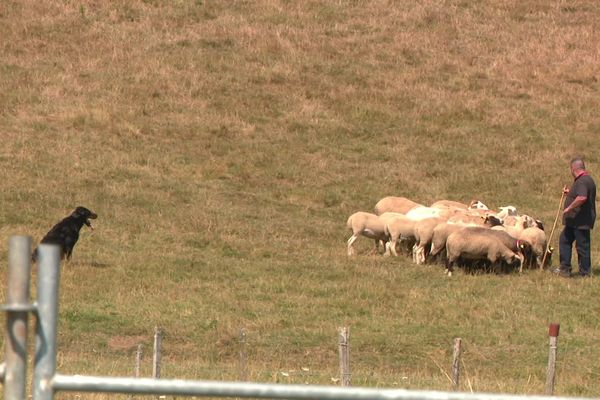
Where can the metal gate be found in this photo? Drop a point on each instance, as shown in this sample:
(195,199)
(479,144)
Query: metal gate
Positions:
(47,382)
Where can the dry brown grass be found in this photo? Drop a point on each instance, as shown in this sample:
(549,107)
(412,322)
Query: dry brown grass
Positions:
(224,143)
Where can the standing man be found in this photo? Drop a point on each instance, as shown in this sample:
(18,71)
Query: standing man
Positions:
(578,219)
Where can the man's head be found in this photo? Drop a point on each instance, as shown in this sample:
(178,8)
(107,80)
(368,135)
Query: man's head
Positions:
(577,166)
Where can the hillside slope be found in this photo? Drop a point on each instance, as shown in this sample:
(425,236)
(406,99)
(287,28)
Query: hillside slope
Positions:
(223,144)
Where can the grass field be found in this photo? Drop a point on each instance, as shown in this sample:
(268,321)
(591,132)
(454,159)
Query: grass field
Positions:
(223,145)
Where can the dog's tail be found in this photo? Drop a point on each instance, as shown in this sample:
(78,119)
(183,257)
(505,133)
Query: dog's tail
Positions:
(34,255)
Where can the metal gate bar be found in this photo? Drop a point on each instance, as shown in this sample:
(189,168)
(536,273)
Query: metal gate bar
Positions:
(44,366)
(265,391)
(17,317)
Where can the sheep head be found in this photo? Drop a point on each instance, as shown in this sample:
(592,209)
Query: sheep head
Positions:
(524,247)
(528,222)
(492,220)
(477,205)
(548,257)
(517,260)
(539,224)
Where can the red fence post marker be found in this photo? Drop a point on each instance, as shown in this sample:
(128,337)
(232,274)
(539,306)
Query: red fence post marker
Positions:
(551,371)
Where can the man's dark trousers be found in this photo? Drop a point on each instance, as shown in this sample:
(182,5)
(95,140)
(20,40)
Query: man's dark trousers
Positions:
(581,237)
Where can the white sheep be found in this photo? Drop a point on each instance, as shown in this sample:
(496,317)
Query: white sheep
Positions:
(514,225)
(471,218)
(424,235)
(477,205)
(368,225)
(394,204)
(397,227)
(422,212)
(440,236)
(509,241)
(522,220)
(536,238)
(442,231)
(449,204)
(475,245)
(507,211)
(518,246)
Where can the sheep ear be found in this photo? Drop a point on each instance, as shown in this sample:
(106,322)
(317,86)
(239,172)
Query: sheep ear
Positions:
(539,224)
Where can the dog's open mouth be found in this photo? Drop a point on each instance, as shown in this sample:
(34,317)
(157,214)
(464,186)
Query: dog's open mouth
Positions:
(89,223)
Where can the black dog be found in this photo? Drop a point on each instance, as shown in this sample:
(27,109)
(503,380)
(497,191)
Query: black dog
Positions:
(66,232)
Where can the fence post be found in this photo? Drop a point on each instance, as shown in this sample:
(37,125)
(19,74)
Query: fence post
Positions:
(551,371)
(344,350)
(243,372)
(45,331)
(138,360)
(17,318)
(157,353)
(456,364)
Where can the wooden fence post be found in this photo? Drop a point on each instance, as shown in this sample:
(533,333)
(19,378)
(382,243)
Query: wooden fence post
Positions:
(242,366)
(138,360)
(344,349)
(551,371)
(456,364)
(157,353)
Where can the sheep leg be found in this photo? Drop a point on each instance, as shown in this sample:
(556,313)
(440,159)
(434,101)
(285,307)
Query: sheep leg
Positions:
(522,261)
(382,243)
(449,269)
(493,261)
(538,261)
(391,247)
(377,246)
(414,254)
(350,243)
(404,245)
(418,254)
(450,265)
(432,249)
(433,252)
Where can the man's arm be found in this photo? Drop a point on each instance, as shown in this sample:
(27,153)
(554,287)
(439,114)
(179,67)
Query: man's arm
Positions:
(579,201)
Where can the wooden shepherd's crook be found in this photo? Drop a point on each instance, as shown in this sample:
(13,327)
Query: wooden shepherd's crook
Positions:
(552,231)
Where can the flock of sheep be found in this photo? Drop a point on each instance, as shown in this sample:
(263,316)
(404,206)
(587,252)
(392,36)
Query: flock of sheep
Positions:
(452,233)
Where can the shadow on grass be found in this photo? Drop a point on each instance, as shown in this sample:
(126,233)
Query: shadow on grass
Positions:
(82,264)
(95,264)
